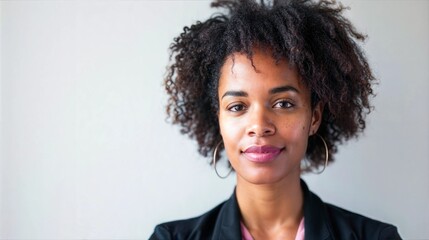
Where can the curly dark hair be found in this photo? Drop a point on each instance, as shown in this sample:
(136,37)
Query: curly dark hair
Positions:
(313,36)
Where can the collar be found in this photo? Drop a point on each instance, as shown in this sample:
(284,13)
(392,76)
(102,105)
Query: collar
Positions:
(316,221)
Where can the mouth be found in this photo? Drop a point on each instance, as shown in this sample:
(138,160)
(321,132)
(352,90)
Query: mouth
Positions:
(262,153)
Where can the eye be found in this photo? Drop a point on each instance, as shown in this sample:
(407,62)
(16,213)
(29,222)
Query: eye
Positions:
(283,104)
(236,108)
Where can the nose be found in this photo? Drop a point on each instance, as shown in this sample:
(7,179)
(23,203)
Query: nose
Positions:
(260,124)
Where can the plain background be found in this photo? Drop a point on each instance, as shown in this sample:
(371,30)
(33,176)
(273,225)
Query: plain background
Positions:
(86,152)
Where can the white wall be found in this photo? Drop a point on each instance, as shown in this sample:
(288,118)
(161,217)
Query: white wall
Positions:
(86,153)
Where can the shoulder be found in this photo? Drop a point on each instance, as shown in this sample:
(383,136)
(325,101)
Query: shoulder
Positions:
(200,227)
(331,222)
(349,225)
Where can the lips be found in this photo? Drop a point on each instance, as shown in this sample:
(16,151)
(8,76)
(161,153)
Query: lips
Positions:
(262,154)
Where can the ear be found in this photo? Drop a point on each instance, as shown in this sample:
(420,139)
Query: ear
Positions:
(316,118)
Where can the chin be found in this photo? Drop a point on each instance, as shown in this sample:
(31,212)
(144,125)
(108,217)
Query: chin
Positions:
(269,176)
(262,178)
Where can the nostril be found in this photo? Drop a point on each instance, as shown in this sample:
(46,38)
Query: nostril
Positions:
(261,126)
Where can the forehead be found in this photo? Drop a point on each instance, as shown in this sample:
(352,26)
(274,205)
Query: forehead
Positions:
(260,72)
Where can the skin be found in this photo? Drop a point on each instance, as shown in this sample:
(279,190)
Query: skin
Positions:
(269,106)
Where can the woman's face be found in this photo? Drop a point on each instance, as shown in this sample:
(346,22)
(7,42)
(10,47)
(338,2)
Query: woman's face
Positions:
(265,117)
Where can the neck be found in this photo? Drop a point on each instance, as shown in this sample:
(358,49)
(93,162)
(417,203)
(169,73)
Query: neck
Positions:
(270,206)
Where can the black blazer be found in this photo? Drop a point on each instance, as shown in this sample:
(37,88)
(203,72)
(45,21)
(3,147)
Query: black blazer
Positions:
(321,221)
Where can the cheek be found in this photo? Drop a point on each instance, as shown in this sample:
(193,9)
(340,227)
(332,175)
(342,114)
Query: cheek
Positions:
(305,129)
(296,129)
(230,132)
(230,137)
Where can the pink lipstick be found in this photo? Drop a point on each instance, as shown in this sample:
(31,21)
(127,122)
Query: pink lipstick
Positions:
(262,154)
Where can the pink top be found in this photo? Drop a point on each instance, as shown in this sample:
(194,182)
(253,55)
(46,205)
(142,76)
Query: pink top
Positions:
(299,234)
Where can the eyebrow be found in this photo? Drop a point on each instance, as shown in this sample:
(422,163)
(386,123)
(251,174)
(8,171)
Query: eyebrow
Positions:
(272,91)
(283,89)
(235,94)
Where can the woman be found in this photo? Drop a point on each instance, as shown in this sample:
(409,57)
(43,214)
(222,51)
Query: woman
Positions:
(275,86)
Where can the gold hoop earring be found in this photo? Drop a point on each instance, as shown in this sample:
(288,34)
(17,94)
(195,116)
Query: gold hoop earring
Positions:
(307,168)
(326,155)
(214,162)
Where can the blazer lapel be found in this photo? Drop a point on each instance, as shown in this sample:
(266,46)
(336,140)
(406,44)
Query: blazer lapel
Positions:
(227,225)
(316,221)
